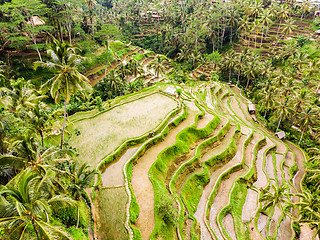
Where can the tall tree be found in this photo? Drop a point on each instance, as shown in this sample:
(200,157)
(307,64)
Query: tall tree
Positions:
(67,79)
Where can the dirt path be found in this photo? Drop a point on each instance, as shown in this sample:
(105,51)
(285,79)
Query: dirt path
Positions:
(113,175)
(142,187)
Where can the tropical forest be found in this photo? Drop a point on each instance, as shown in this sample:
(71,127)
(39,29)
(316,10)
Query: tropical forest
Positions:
(159,119)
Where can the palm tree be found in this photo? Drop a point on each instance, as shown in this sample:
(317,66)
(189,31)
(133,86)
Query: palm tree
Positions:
(244,26)
(158,65)
(265,19)
(250,70)
(308,117)
(67,80)
(301,99)
(309,206)
(28,201)
(282,14)
(229,62)
(255,28)
(40,118)
(21,97)
(267,99)
(232,21)
(123,71)
(289,26)
(279,197)
(113,81)
(135,67)
(305,5)
(282,110)
(81,177)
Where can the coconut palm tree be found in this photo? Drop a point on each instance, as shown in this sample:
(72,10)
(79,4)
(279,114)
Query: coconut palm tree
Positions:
(267,99)
(21,97)
(81,177)
(282,14)
(307,118)
(305,5)
(158,65)
(301,99)
(265,20)
(282,110)
(309,206)
(250,70)
(244,26)
(135,67)
(288,28)
(114,82)
(27,201)
(279,197)
(39,119)
(67,79)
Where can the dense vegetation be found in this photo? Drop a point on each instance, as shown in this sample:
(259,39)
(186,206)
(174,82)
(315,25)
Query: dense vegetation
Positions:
(51,52)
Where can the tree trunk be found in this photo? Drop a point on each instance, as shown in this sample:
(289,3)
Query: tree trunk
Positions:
(255,40)
(42,141)
(231,36)
(300,138)
(229,75)
(261,38)
(35,229)
(238,78)
(265,113)
(248,81)
(279,123)
(64,122)
(78,215)
(278,29)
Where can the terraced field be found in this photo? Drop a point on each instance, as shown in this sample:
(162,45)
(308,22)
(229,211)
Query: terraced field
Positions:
(199,175)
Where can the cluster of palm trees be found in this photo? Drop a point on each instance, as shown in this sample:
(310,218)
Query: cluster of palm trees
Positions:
(36,180)
(47,183)
(307,204)
(121,80)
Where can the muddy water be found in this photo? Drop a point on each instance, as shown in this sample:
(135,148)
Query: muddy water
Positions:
(274,221)
(142,187)
(285,231)
(250,206)
(262,224)
(113,176)
(222,196)
(279,158)
(269,168)
(228,224)
(262,180)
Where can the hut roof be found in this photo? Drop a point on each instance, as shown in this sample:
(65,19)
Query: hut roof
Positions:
(35,20)
(281,134)
(170,90)
(251,107)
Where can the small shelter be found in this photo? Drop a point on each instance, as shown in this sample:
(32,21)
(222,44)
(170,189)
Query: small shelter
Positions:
(280,135)
(36,21)
(251,108)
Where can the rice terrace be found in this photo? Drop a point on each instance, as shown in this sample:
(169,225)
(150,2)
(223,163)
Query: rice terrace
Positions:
(159,120)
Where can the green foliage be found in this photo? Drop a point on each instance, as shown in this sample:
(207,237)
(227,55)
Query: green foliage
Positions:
(78,233)
(167,210)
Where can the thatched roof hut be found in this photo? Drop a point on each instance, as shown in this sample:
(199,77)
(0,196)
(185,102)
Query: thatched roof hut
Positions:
(36,21)
(251,108)
(280,135)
